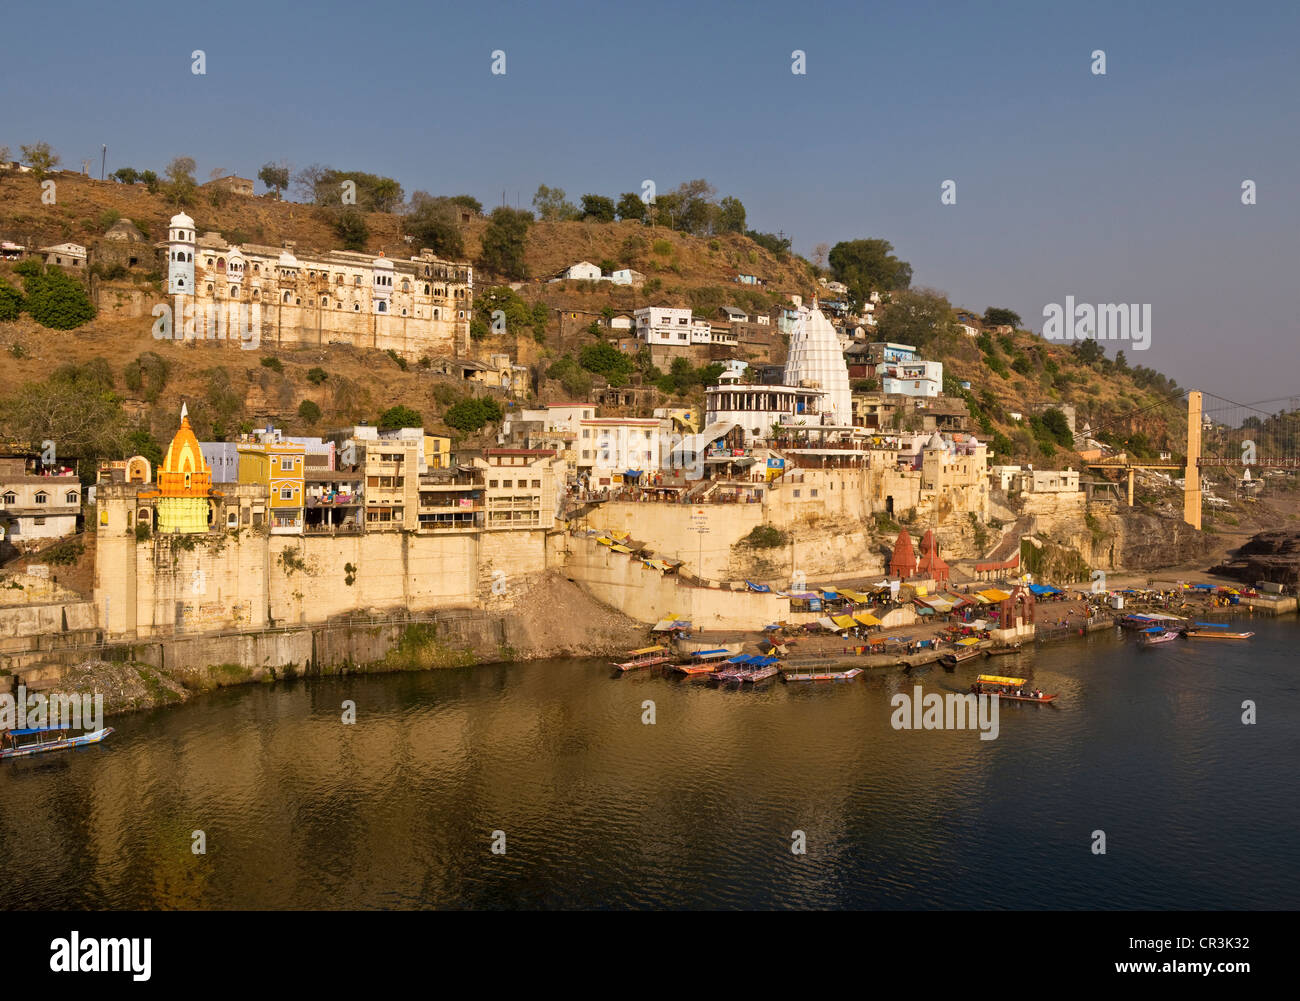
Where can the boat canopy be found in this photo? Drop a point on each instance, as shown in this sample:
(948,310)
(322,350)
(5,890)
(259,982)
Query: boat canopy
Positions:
(710,654)
(31,730)
(645,650)
(1211,625)
(1154,629)
(994,679)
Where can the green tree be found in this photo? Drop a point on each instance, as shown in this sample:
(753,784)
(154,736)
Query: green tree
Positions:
(73,409)
(40,158)
(631,207)
(731,216)
(150,181)
(181,187)
(126,175)
(141,442)
(468,202)
(552,206)
(868,265)
(57,301)
(309,411)
(275,176)
(773,244)
(351,229)
(915,316)
(316,375)
(11,301)
(997,317)
(147,375)
(400,417)
(597,208)
(605,359)
(504,242)
(472,413)
(1057,427)
(435,223)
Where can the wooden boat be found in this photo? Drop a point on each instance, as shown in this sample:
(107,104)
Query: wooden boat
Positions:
(805,673)
(747,668)
(960,656)
(44,739)
(757,674)
(1215,634)
(703,661)
(647,656)
(1154,638)
(1001,651)
(1011,689)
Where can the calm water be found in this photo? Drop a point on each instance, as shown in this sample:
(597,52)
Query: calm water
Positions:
(697,810)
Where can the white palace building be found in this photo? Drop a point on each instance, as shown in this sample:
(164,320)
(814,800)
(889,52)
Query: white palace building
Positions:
(417,307)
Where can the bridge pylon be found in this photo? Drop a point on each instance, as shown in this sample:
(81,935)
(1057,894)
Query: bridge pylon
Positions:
(1192,475)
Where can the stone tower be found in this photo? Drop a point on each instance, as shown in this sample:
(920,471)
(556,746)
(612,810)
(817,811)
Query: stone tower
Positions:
(180,255)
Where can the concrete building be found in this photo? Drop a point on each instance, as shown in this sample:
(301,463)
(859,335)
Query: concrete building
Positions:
(65,255)
(663,325)
(917,378)
(755,408)
(124,246)
(421,306)
(37,502)
(614,449)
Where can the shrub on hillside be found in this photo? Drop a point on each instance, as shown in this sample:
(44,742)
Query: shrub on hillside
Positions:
(472,413)
(57,301)
(11,301)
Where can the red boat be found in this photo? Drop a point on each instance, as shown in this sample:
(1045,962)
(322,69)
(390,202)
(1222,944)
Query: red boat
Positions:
(645,657)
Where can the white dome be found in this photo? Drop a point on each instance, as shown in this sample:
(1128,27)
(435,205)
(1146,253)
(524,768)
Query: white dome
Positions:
(182,221)
(287,260)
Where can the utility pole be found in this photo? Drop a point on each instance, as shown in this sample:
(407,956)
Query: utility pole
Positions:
(103,161)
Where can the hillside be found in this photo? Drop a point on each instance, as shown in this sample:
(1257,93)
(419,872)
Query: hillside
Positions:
(225,387)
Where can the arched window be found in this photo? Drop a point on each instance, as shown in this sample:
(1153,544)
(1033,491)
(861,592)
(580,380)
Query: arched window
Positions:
(209,288)
(285,300)
(383,307)
(42,498)
(180,282)
(256,295)
(324,300)
(356,307)
(70,497)
(234,291)
(426,290)
(406,286)
(257,269)
(435,314)
(221,264)
(340,281)
(11,498)
(356,280)
(426,271)
(403,310)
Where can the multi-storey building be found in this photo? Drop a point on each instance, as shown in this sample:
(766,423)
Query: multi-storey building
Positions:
(417,307)
(36,501)
(267,459)
(614,448)
(519,488)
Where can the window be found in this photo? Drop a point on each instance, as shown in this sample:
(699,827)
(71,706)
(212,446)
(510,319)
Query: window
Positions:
(812,493)
(70,497)
(39,521)
(286,463)
(42,498)
(286,493)
(11,498)
(492,484)
(507,483)
(537,484)
(796,493)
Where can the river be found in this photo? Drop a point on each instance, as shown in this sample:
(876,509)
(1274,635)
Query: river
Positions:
(698,809)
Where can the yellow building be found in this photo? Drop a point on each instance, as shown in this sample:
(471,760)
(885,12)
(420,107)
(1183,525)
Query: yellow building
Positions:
(184,484)
(279,466)
(437,451)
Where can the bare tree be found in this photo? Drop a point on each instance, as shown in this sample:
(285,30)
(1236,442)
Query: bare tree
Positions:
(820,254)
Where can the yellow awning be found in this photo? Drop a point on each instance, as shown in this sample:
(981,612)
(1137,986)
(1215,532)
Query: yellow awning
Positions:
(620,535)
(646,649)
(867,619)
(969,641)
(993,595)
(994,679)
(854,595)
(844,621)
(620,549)
(605,541)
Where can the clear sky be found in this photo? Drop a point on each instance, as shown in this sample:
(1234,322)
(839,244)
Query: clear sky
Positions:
(1117,188)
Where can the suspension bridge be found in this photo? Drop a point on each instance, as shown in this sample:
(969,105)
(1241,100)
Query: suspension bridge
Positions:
(1224,434)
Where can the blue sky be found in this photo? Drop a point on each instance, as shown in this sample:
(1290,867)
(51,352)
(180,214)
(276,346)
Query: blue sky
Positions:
(1117,188)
